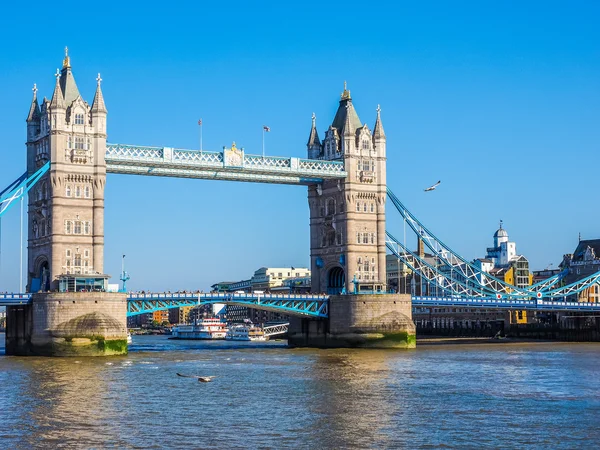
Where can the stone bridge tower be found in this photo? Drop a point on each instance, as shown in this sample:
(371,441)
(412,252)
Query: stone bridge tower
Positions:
(347,217)
(66,207)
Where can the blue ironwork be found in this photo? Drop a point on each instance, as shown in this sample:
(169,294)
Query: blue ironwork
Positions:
(18,188)
(293,304)
(170,162)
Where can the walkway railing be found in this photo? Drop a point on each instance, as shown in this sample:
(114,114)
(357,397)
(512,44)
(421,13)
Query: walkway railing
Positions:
(230,164)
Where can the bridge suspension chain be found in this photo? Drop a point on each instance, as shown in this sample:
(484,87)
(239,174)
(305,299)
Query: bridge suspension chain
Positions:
(18,188)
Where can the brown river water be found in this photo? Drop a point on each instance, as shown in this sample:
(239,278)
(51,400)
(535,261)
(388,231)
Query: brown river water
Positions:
(264,395)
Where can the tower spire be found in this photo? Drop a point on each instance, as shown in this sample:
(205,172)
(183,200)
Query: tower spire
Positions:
(57,100)
(34,109)
(346,94)
(378,132)
(313,138)
(98,103)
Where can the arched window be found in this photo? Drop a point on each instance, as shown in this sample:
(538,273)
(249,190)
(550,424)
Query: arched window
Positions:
(365,207)
(77,227)
(372,207)
(87,192)
(77,262)
(358,237)
(77,191)
(330,206)
(68,227)
(357,206)
(68,190)
(86,227)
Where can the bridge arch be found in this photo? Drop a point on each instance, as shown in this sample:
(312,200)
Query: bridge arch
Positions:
(336,280)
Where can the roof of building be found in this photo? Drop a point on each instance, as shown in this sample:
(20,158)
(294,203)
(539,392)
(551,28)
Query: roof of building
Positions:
(579,253)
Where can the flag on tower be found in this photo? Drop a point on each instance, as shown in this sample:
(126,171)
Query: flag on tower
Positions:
(200,122)
(266,128)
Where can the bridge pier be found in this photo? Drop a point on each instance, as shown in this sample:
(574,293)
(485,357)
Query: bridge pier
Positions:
(68,324)
(361,321)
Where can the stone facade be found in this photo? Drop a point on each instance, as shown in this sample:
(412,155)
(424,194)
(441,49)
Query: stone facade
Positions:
(347,217)
(365,321)
(66,207)
(68,324)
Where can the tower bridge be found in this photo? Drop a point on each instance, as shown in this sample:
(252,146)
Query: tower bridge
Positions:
(68,158)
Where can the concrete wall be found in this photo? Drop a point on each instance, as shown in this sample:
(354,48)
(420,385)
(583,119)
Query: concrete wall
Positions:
(69,324)
(372,321)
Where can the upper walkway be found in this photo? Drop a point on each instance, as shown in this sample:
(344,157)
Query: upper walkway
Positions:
(230,164)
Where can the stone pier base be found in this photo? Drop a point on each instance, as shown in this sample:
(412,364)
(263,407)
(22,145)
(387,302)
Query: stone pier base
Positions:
(365,321)
(68,324)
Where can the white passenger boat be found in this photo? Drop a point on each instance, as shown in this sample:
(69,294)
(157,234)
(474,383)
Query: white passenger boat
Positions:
(205,329)
(245,333)
(129,340)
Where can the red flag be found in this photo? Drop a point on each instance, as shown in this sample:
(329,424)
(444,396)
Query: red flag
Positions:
(200,122)
(266,128)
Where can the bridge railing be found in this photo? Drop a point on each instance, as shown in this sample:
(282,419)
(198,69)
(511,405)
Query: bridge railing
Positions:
(192,159)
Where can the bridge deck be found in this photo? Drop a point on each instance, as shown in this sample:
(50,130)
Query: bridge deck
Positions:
(169,162)
(311,305)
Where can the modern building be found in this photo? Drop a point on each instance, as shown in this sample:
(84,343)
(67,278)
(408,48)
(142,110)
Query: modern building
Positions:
(268,278)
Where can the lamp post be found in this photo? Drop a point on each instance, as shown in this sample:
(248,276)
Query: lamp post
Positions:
(124,275)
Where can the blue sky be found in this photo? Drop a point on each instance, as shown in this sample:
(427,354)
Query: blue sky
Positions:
(499,100)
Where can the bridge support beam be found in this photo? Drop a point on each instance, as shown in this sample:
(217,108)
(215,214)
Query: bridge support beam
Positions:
(363,321)
(68,324)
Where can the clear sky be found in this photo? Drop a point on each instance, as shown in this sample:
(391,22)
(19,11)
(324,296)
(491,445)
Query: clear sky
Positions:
(498,100)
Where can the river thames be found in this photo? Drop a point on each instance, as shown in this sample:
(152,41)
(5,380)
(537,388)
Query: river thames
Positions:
(536,395)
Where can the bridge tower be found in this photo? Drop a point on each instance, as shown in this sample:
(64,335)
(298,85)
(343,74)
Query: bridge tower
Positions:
(347,217)
(66,208)
(66,232)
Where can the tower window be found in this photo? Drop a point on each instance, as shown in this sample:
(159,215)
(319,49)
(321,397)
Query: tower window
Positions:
(86,253)
(365,207)
(68,190)
(77,191)
(70,142)
(86,227)
(68,227)
(77,227)
(365,144)
(372,207)
(78,119)
(330,206)
(357,206)
(87,192)
(68,253)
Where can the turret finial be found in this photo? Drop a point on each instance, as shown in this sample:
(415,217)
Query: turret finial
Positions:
(98,79)
(57,74)
(35,89)
(500,223)
(314,119)
(346,93)
(378,110)
(67,60)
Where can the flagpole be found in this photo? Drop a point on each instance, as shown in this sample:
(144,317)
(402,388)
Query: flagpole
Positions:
(200,123)
(263,142)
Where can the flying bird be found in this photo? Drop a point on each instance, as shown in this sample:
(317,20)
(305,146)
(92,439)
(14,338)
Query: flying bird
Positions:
(431,188)
(200,379)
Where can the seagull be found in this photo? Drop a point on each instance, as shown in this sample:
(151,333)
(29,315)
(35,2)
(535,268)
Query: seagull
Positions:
(200,379)
(431,188)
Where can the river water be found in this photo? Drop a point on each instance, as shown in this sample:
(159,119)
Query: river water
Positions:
(540,395)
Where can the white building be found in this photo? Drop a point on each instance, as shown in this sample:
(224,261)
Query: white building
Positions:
(272,277)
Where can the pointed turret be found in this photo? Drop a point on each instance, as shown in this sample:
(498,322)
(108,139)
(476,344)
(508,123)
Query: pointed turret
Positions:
(378,132)
(58,100)
(67,81)
(34,109)
(379,140)
(314,143)
(98,103)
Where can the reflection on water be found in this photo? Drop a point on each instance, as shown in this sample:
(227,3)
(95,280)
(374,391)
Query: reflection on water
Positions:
(267,396)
